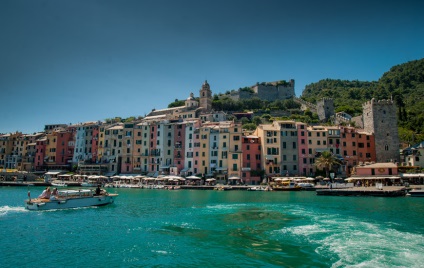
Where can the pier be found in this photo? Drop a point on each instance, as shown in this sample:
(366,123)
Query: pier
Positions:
(386,191)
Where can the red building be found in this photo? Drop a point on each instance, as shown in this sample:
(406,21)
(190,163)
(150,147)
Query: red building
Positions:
(251,160)
(40,153)
(357,147)
(65,146)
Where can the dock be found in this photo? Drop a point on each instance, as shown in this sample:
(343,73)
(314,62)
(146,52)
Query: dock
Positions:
(386,191)
(34,183)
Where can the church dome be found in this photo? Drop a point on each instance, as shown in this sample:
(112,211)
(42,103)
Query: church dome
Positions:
(191,97)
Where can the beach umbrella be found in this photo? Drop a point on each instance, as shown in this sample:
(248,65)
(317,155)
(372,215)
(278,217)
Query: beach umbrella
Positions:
(192,177)
(233,178)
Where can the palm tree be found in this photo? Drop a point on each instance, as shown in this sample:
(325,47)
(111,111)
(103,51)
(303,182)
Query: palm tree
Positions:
(327,161)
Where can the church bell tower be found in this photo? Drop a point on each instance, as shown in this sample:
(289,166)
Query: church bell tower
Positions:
(206,97)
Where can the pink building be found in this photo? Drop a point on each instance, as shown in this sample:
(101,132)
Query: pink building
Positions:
(40,153)
(65,147)
(251,160)
(305,158)
(377,169)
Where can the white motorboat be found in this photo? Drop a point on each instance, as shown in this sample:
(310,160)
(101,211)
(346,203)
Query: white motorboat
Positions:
(70,199)
(59,184)
(258,188)
(416,193)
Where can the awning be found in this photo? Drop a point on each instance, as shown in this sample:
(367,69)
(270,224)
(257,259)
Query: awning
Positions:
(234,178)
(52,173)
(320,150)
(221,168)
(193,178)
(164,167)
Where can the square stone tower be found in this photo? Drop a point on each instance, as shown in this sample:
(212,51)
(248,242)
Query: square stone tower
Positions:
(325,109)
(379,118)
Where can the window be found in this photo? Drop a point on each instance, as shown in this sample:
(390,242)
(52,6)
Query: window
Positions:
(235,156)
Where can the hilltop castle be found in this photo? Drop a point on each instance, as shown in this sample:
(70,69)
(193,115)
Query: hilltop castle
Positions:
(270,91)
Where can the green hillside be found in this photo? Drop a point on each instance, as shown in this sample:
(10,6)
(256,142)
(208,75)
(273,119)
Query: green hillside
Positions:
(404,83)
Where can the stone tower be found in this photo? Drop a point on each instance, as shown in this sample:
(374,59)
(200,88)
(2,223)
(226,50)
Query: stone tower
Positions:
(379,117)
(206,97)
(325,109)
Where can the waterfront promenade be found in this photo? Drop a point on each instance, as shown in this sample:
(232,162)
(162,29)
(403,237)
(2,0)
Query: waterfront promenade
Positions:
(384,191)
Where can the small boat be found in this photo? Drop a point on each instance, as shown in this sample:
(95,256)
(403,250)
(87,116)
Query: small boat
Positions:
(259,188)
(58,184)
(70,199)
(416,193)
(290,187)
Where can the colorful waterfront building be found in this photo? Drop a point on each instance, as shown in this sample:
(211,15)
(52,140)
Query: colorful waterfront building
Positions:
(40,153)
(84,142)
(235,150)
(251,160)
(305,159)
(270,148)
(29,151)
(357,147)
(288,147)
(143,146)
(127,148)
(112,147)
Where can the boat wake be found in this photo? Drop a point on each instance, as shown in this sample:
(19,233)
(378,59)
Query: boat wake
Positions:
(6,209)
(352,242)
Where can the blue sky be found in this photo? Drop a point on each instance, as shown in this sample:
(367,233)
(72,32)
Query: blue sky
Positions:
(84,60)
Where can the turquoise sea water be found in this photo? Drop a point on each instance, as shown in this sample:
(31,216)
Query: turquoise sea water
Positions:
(189,228)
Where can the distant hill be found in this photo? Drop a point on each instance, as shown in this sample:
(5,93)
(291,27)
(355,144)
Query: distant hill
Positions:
(404,83)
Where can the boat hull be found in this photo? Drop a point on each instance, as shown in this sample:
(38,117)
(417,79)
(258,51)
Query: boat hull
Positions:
(416,193)
(46,204)
(286,189)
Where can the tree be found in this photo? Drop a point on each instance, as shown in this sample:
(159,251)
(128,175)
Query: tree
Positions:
(257,120)
(244,120)
(249,126)
(267,117)
(327,161)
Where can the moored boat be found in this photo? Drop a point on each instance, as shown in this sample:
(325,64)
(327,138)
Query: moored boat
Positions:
(58,184)
(70,199)
(416,193)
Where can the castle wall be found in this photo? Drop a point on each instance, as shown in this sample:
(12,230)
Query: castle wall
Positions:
(379,117)
(267,91)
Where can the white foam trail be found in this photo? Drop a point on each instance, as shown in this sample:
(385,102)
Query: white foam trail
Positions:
(6,209)
(350,242)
